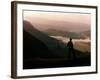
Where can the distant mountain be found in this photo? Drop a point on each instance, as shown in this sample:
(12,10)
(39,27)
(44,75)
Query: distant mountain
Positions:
(74,35)
(44,24)
(55,32)
(86,33)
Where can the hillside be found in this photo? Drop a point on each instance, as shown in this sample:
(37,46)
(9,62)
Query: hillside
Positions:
(41,51)
(54,45)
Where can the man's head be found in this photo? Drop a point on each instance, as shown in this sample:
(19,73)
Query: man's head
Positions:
(70,39)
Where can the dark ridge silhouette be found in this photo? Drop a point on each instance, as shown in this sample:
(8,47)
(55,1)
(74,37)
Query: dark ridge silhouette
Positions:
(42,51)
(54,45)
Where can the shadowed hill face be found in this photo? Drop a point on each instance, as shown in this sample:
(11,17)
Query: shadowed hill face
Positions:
(32,47)
(33,31)
(37,43)
(51,43)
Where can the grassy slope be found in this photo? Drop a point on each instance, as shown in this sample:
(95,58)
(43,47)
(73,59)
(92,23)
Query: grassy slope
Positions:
(83,46)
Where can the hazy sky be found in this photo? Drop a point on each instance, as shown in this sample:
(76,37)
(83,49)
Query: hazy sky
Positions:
(63,21)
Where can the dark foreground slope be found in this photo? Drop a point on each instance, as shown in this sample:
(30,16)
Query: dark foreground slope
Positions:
(42,51)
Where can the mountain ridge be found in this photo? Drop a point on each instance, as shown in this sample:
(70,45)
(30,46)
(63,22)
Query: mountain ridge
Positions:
(74,35)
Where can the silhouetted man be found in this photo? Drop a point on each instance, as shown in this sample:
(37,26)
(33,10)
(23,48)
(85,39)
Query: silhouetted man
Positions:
(71,53)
